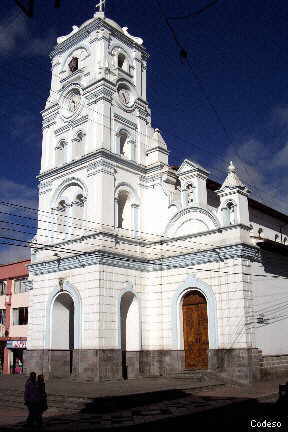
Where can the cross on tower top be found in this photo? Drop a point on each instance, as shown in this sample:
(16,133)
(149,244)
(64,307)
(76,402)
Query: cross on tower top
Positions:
(101,5)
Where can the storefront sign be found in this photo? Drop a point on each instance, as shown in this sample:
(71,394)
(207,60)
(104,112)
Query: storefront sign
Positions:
(16,344)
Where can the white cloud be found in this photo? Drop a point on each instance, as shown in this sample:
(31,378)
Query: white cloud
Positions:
(262,166)
(16,34)
(13,224)
(280,159)
(11,30)
(17,193)
(40,46)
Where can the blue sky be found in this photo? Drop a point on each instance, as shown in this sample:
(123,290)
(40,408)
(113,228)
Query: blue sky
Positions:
(238,49)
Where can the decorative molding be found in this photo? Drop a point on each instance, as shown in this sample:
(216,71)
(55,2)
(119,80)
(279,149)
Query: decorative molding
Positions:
(63,129)
(45,187)
(100,167)
(188,210)
(64,185)
(240,251)
(57,172)
(124,121)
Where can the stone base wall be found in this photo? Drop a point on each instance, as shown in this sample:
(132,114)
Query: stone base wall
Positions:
(102,365)
(92,365)
(274,366)
(161,362)
(241,365)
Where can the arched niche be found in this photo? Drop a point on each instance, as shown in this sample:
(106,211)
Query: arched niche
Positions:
(74,294)
(82,53)
(62,314)
(125,144)
(126,208)
(129,322)
(69,209)
(229,213)
(191,220)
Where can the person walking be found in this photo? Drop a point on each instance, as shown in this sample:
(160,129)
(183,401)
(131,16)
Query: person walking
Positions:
(32,398)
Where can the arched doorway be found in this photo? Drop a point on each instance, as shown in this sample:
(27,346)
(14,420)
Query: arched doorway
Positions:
(195,330)
(130,331)
(63,331)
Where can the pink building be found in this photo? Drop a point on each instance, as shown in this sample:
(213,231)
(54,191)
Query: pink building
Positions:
(14,288)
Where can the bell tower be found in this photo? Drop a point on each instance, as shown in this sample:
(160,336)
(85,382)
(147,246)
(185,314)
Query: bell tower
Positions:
(96,125)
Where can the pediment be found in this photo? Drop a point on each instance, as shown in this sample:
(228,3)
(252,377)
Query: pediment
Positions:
(189,166)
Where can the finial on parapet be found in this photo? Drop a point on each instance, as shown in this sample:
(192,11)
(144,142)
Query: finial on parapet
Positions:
(232,180)
(231,167)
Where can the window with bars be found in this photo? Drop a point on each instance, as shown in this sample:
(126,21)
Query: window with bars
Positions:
(2,288)
(20,285)
(2,316)
(20,316)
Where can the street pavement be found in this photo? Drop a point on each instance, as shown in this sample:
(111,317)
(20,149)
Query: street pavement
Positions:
(141,404)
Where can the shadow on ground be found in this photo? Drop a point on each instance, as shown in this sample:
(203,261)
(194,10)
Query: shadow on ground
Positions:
(161,410)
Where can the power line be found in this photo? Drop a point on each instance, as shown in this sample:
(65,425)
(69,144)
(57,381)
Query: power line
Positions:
(195,13)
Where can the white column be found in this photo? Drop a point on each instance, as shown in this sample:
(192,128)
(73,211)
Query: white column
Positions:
(135,219)
(116,212)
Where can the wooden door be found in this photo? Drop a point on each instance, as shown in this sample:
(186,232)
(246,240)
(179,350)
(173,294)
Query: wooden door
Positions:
(195,329)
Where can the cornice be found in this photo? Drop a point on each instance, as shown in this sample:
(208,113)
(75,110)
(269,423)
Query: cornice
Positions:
(158,149)
(84,32)
(91,157)
(101,166)
(238,251)
(125,121)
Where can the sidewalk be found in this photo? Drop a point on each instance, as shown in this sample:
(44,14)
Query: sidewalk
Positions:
(86,406)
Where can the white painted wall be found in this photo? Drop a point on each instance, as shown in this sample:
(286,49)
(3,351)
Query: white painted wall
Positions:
(271,300)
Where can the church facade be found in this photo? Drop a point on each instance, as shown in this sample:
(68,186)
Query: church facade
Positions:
(139,268)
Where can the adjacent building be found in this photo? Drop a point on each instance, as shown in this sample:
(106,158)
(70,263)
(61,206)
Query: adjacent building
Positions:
(14,306)
(140,268)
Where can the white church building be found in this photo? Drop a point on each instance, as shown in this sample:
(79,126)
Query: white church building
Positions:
(140,268)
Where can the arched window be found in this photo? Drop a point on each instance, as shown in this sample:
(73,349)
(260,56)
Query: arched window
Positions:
(124,209)
(61,210)
(121,61)
(190,193)
(70,212)
(78,210)
(60,153)
(73,64)
(127,210)
(78,148)
(123,143)
(125,146)
(229,214)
